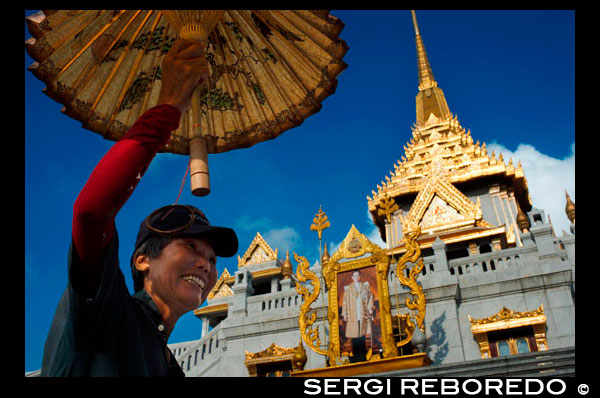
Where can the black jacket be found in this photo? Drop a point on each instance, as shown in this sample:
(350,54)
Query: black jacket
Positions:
(114,334)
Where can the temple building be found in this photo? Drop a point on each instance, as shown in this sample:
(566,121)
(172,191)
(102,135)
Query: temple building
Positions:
(498,284)
(492,294)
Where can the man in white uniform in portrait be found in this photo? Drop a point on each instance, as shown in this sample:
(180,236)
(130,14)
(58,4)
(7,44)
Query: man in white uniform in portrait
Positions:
(357,312)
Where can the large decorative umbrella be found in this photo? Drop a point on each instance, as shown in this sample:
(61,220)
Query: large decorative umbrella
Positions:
(269,70)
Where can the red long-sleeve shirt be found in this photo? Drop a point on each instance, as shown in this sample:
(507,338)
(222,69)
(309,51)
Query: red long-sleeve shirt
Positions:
(111,183)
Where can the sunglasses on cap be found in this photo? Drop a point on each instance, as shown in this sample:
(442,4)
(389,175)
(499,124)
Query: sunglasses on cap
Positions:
(172,219)
(186,220)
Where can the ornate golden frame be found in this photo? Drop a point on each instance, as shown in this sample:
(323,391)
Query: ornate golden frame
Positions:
(358,252)
(355,252)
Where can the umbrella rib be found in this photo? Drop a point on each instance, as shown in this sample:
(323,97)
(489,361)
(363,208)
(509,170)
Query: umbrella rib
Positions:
(266,67)
(85,76)
(134,69)
(229,84)
(249,99)
(312,33)
(253,73)
(293,52)
(156,61)
(117,64)
(89,43)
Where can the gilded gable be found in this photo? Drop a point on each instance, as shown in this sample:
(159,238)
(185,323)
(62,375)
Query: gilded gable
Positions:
(258,252)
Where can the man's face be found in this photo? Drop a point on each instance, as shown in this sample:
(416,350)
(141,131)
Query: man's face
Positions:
(183,274)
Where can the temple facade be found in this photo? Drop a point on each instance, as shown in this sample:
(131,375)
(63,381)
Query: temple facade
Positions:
(499,285)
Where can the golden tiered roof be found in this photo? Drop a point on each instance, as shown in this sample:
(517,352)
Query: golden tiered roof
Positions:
(440,154)
(461,159)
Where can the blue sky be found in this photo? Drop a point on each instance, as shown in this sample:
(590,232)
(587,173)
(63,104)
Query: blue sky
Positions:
(509,76)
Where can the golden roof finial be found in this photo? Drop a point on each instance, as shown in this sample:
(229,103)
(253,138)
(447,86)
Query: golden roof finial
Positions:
(522,220)
(325,256)
(570,208)
(299,359)
(286,268)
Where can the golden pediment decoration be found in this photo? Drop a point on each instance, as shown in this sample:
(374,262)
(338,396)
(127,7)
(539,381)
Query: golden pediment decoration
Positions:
(440,205)
(258,252)
(221,289)
(440,212)
(271,351)
(354,245)
(507,318)
(286,359)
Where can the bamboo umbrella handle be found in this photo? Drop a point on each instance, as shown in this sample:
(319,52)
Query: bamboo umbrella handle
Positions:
(196,25)
(199,174)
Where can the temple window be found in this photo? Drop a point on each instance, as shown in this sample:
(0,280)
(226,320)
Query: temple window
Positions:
(510,332)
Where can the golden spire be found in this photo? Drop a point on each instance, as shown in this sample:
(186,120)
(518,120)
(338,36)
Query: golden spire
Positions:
(426,79)
(570,208)
(431,99)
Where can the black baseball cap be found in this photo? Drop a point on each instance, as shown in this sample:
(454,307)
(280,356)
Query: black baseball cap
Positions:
(187,221)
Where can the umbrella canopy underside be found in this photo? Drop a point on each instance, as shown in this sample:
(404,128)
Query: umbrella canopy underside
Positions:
(269,70)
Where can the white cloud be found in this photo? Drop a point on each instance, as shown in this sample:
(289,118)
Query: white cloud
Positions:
(373,232)
(547,179)
(332,247)
(286,238)
(248,224)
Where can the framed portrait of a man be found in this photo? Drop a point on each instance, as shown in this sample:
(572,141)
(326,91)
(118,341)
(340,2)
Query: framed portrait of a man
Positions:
(359,313)
(360,323)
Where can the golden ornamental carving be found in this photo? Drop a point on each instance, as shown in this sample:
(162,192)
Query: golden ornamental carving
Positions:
(440,212)
(273,350)
(224,291)
(387,207)
(357,253)
(276,355)
(221,289)
(570,208)
(309,335)
(440,205)
(320,222)
(506,314)
(416,303)
(258,252)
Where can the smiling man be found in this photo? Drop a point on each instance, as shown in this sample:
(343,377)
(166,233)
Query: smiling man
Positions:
(99,329)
